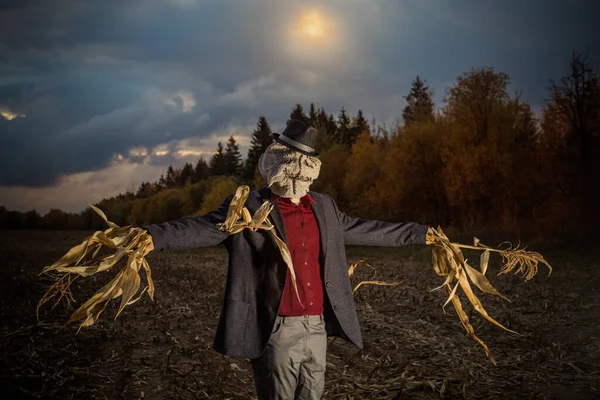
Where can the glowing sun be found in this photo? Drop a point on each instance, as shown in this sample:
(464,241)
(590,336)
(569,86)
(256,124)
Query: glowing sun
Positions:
(313,25)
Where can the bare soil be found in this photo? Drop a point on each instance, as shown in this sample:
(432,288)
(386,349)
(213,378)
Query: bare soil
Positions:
(413,350)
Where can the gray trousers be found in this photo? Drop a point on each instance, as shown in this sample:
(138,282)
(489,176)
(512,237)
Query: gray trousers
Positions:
(293,364)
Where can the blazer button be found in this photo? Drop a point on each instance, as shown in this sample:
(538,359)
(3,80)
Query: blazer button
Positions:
(328,284)
(335,308)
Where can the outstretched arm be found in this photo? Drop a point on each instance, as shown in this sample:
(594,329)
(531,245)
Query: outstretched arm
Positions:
(190,232)
(364,232)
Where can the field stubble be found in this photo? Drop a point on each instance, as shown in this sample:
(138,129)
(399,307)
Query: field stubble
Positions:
(413,350)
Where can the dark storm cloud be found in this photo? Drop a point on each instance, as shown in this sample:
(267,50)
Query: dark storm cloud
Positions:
(98,78)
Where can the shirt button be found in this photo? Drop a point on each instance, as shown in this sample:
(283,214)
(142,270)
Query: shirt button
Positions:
(311,303)
(305,262)
(303,244)
(307,283)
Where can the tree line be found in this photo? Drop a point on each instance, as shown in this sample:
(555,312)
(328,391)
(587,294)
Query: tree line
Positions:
(481,161)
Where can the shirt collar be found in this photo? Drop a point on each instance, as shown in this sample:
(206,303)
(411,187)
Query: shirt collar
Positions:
(305,200)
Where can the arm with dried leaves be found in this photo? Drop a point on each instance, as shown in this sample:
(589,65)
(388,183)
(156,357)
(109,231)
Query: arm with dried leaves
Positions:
(132,244)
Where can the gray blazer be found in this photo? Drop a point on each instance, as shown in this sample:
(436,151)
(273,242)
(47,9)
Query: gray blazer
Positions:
(256,273)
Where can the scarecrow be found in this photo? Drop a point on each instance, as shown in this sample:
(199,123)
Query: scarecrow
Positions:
(288,285)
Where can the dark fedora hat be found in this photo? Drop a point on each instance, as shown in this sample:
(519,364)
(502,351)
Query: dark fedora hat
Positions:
(298,137)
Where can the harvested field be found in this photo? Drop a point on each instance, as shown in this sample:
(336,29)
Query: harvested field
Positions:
(413,350)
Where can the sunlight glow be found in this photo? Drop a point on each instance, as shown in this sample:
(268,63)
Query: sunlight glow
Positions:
(314,26)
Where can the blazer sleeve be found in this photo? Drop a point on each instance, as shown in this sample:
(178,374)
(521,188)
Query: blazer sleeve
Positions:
(362,232)
(190,232)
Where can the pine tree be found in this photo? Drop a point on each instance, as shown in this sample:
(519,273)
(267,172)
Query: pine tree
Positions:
(186,174)
(420,103)
(201,171)
(217,162)
(233,158)
(170,178)
(261,139)
(298,114)
(162,183)
(321,118)
(331,127)
(343,127)
(359,126)
(312,116)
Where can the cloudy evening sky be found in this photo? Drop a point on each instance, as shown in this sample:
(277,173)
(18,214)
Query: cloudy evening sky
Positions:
(98,96)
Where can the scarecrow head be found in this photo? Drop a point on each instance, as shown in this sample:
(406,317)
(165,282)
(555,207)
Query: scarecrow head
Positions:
(290,163)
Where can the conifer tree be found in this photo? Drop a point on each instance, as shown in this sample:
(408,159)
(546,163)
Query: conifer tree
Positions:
(298,114)
(201,171)
(187,173)
(359,126)
(233,158)
(342,134)
(170,178)
(217,162)
(312,116)
(420,103)
(261,139)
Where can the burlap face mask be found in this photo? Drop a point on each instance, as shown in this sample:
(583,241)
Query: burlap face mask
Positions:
(288,173)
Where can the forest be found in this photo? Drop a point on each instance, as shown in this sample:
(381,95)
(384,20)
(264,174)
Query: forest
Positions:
(481,162)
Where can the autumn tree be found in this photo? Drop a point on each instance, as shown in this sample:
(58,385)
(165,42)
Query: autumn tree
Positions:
(364,171)
(411,183)
(484,124)
(575,100)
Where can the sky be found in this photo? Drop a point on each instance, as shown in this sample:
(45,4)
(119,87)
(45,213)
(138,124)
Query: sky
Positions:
(98,96)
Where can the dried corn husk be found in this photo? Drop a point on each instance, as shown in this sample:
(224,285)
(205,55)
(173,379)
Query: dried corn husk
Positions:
(239,218)
(352,270)
(449,262)
(83,260)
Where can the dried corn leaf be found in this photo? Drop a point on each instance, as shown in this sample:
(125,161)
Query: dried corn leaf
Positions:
(83,260)
(464,319)
(353,267)
(352,270)
(484,261)
(378,283)
(449,262)
(259,221)
(482,282)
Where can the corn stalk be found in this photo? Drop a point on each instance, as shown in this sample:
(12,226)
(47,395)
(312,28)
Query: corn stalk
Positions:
(83,260)
(449,263)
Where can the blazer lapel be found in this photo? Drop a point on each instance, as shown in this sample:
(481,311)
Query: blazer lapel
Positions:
(320,217)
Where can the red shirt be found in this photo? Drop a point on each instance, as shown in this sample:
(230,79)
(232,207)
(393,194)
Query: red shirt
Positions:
(303,240)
